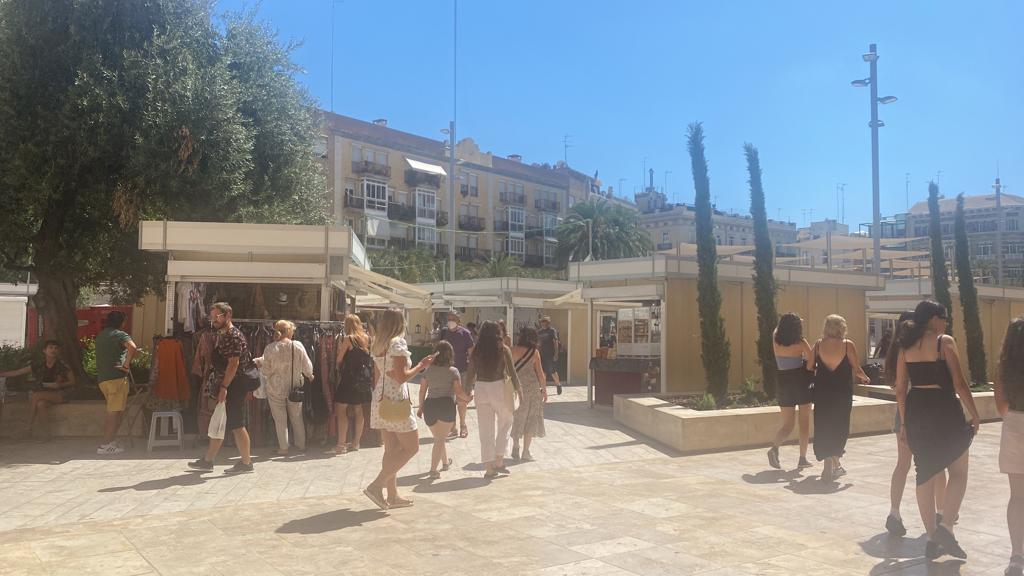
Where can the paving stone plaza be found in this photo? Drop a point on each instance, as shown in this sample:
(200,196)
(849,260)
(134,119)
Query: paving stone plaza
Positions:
(598,500)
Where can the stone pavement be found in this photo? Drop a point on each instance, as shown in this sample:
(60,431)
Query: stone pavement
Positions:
(599,500)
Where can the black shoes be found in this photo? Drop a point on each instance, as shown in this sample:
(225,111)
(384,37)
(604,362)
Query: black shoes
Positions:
(803,463)
(945,539)
(201,464)
(895,526)
(239,468)
(558,388)
(773,458)
(932,550)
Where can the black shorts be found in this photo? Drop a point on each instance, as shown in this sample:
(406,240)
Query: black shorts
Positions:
(547,363)
(435,409)
(794,387)
(234,405)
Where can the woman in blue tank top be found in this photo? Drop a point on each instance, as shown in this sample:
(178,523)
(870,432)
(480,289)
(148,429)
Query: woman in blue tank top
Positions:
(794,362)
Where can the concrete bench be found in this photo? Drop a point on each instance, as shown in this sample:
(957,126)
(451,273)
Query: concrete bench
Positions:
(76,418)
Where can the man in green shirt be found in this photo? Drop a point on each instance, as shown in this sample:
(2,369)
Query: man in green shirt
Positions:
(114,351)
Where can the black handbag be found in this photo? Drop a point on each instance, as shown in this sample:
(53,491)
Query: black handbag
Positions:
(298,393)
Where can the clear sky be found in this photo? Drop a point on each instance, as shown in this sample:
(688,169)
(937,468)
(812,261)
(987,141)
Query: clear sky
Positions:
(625,78)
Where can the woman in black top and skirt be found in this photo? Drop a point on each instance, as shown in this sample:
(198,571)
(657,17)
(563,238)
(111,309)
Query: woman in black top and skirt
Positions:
(928,379)
(835,364)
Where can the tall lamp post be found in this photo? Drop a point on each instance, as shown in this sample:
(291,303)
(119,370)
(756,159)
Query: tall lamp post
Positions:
(876,218)
(450,131)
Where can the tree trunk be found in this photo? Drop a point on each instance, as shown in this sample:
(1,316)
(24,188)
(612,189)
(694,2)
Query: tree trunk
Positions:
(57,300)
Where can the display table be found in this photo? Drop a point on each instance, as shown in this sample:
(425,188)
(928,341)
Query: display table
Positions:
(624,376)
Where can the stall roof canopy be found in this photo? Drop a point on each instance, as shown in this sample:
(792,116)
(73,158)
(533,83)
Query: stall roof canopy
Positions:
(687,249)
(847,243)
(244,239)
(425,167)
(363,281)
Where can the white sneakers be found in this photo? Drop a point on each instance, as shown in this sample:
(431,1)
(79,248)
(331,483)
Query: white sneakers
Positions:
(109,449)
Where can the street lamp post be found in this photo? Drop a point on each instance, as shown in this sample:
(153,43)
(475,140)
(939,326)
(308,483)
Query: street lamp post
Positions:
(450,131)
(876,218)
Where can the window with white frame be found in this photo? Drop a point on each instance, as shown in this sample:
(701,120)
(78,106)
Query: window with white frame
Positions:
(426,235)
(516,220)
(550,222)
(470,184)
(516,246)
(360,154)
(426,204)
(549,252)
(376,194)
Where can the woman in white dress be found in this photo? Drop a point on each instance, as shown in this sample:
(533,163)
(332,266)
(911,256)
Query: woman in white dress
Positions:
(391,409)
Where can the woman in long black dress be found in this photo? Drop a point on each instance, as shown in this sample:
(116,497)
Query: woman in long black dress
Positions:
(836,362)
(928,379)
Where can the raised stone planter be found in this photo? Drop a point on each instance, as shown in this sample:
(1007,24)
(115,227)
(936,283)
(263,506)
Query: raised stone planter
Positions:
(690,431)
(76,418)
(985,401)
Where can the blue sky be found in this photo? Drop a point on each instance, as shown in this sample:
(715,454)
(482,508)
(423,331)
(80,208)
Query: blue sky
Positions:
(625,78)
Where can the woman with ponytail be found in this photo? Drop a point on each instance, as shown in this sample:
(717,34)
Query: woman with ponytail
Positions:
(928,379)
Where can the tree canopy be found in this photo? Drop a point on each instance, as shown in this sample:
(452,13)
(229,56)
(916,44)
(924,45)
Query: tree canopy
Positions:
(114,112)
(616,233)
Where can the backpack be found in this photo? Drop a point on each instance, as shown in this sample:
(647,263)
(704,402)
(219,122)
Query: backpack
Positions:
(358,368)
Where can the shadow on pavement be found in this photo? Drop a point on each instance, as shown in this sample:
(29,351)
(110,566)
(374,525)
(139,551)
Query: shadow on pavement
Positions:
(330,521)
(814,485)
(890,547)
(459,485)
(187,479)
(580,414)
(918,567)
(772,477)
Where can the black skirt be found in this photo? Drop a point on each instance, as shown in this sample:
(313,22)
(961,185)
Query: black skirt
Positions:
(794,387)
(832,404)
(435,409)
(937,432)
(348,394)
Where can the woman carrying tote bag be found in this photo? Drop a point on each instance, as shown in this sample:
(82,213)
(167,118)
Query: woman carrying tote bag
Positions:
(284,363)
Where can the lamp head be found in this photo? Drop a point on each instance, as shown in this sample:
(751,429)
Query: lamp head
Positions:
(887,99)
(862,83)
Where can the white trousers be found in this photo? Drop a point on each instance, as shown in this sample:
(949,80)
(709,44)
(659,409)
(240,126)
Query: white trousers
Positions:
(282,410)
(492,405)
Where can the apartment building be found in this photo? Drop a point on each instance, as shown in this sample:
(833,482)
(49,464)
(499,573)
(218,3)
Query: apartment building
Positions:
(391,187)
(981,218)
(672,224)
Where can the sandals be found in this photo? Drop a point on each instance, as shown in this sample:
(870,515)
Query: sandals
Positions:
(338,450)
(434,475)
(399,503)
(446,465)
(376,498)
(464,432)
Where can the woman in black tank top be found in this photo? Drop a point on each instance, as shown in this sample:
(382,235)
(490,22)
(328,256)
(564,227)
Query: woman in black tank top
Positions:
(928,378)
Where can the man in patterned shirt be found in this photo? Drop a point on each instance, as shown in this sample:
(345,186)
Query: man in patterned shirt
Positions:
(230,357)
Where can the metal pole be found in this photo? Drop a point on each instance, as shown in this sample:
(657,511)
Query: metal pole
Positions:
(451,201)
(876,220)
(590,239)
(999,232)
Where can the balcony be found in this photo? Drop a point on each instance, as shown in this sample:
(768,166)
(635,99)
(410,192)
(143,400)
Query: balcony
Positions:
(401,212)
(354,202)
(664,246)
(468,190)
(416,178)
(546,204)
(442,218)
(505,226)
(372,168)
(513,198)
(468,254)
(472,223)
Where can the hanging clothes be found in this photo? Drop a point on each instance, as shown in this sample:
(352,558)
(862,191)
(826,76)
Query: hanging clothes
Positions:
(172,380)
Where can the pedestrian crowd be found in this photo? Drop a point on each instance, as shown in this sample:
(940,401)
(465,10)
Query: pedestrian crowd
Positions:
(922,364)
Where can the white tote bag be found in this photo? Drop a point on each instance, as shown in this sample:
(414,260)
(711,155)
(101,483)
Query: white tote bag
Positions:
(218,422)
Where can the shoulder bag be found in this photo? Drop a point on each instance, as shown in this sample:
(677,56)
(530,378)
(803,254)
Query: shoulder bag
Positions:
(393,410)
(297,393)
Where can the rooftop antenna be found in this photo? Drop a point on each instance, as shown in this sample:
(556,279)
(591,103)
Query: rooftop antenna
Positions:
(840,201)
(908,192)
(565,148)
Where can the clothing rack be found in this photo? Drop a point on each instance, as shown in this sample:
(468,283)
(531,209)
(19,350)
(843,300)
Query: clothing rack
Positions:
(296,322)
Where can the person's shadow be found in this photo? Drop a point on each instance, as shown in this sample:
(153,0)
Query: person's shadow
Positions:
(330,521)
(187,479)
(813,485)
(906,556)
(772,477)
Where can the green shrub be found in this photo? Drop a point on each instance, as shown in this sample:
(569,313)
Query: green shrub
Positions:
(89,356)
(751,393)
(707,402)
(12,357)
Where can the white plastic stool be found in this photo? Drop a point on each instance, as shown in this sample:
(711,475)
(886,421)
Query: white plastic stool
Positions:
(173,436)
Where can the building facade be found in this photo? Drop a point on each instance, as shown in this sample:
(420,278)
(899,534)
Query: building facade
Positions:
(391,188)
(981,217)
(672,224)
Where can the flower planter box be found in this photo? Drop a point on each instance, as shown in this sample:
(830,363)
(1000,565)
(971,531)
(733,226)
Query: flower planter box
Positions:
(691,431)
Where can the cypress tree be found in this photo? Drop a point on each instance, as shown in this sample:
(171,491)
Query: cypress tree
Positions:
(940,278)
(715,353)
(969,299)
(764,278)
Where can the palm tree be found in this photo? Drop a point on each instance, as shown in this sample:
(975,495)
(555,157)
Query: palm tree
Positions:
(612,230)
